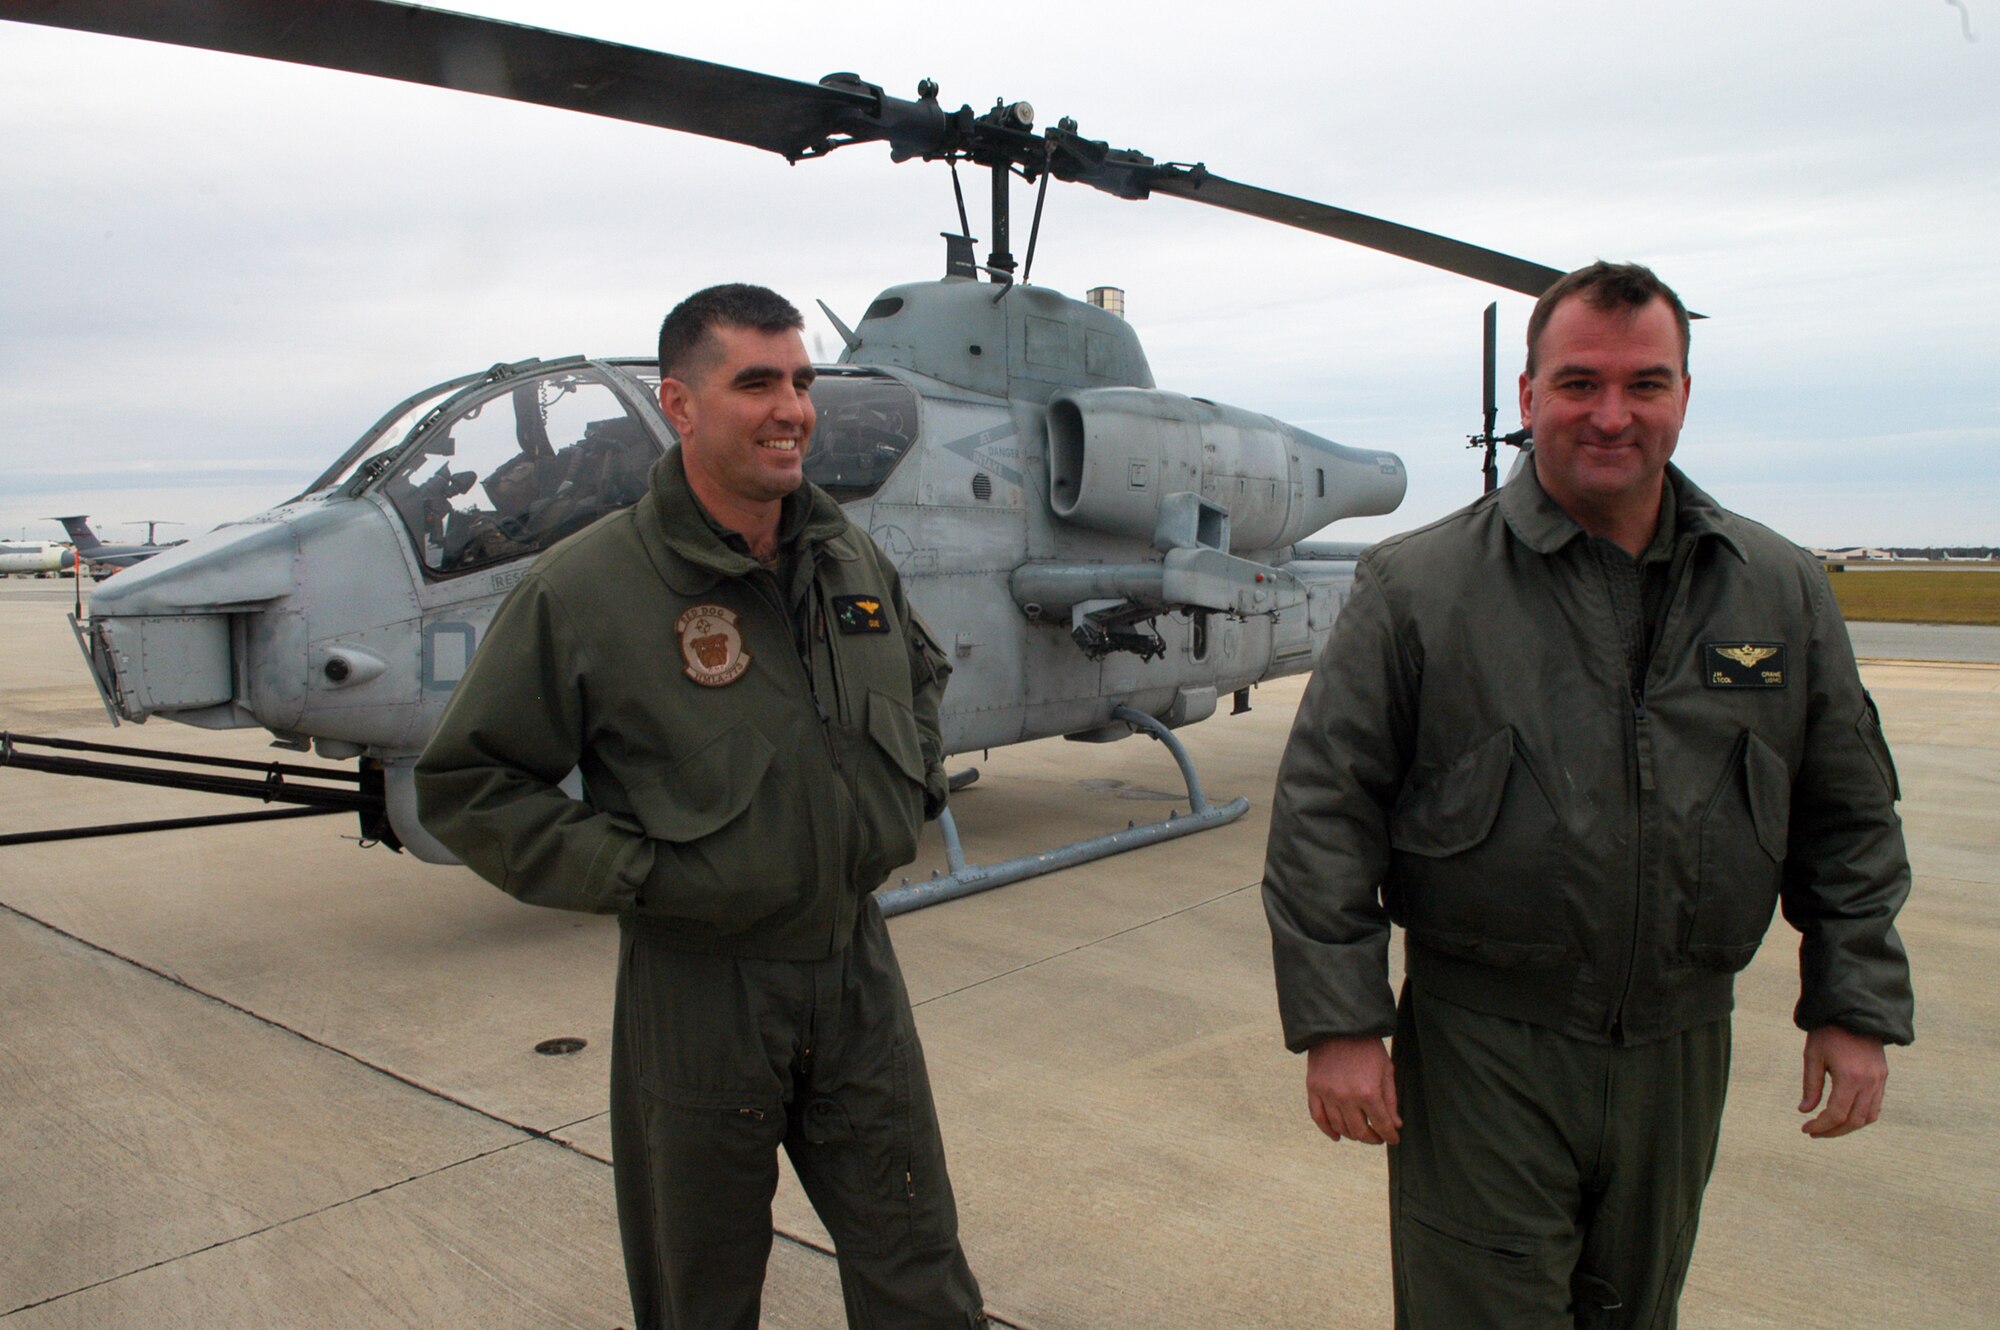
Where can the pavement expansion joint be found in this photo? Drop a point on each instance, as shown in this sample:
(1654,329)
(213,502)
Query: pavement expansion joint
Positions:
(1085,946)
(180,983)
(528,1133)
(261,1229)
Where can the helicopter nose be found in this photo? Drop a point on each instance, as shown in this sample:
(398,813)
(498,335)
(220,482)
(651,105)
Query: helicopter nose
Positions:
(231,568)
(161,638)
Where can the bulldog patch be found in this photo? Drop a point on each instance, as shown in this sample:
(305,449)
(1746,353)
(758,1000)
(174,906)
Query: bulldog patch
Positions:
(712,646)
(1743,664)
(860,614)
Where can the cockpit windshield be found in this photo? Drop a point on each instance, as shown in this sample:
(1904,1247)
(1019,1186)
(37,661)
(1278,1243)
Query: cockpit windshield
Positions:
(516,469)
(387,435)
(867,421)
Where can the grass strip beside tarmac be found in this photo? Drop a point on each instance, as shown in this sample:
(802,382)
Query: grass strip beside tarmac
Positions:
(1918,595)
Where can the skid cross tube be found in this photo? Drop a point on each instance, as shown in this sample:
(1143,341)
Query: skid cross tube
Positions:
(967,879)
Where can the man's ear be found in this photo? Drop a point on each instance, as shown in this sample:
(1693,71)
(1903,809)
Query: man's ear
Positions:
(677,404)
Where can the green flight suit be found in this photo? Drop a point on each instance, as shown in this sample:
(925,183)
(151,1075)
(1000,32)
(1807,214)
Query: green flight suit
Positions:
(756,758)
(1582,815)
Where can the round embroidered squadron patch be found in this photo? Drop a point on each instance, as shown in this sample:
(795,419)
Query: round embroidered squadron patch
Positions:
(712,646)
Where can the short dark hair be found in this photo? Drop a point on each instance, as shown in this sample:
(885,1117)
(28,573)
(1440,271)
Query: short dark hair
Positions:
(685,332)
(1608,286)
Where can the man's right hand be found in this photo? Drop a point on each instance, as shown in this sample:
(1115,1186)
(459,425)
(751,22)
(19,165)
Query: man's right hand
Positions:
(1351,1089)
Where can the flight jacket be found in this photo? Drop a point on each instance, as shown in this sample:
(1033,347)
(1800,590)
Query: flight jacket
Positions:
(754,759)
(1472,762)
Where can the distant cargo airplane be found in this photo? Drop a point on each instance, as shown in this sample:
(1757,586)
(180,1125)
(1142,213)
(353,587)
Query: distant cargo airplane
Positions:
(103,559)
(35,556)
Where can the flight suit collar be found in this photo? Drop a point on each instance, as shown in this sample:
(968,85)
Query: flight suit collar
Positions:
(688,549)
(1539,522)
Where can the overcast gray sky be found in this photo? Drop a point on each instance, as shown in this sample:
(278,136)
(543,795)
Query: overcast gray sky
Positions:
(216,272)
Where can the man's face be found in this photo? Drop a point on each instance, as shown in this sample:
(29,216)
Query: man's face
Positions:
(1605,405)
(745,418)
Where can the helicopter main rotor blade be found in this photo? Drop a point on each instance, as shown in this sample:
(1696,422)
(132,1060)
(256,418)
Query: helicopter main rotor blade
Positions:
(1486,265)
(472,54)
(467,53)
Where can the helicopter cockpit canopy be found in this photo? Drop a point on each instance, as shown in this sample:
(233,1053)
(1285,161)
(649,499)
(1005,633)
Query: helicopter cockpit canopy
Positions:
(509,471)
(372,450)
(505,471)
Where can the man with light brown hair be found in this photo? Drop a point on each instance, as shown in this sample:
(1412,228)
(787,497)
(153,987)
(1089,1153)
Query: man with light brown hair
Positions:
(1578,740)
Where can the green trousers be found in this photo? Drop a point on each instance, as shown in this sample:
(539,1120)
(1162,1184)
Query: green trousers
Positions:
(716,1064)
(1543,1181)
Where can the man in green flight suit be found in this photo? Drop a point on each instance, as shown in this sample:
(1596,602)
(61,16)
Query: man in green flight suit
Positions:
(1578,739)
(733,667)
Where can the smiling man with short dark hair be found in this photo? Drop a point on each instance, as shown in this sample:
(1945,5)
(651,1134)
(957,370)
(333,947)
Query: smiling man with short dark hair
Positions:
(753,706)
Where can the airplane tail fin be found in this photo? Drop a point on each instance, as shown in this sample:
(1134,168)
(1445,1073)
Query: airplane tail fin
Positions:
(80,534)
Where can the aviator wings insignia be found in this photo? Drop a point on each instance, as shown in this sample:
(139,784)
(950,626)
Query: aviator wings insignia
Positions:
(1747,656)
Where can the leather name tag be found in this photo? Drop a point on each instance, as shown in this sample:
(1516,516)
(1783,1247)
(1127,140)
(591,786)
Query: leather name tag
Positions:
(1743,664)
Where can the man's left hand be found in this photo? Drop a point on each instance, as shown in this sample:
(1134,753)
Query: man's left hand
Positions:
(1859,1070)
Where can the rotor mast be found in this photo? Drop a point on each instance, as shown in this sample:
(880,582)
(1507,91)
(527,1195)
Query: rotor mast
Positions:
(1000,263)
(1011,141)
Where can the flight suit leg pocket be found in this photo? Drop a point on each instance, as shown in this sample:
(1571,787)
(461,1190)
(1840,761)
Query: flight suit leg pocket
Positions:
(1743,834)
(705,1058)
(1452,1277)
(873,1163)
(711,1031)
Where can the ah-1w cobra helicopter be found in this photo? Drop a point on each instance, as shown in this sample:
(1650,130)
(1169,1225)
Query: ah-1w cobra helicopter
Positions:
(1098,555)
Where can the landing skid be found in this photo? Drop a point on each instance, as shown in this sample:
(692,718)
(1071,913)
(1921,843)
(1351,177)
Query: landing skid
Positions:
(965,879)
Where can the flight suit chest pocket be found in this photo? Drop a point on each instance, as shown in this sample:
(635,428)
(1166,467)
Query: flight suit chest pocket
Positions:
(888,789)
(1453,810)
(1480,863)
(1743,835)
(707,789)
(732,837)
(870,662)
(892,724)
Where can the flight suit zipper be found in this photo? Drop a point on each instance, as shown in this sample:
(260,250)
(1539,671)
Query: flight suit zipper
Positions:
(1642,753)
(1642,743)
(767,586)
(823,618)
(816,632)
(1644,783)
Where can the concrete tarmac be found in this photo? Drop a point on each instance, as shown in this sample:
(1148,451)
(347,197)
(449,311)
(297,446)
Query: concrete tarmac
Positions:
(259,1076)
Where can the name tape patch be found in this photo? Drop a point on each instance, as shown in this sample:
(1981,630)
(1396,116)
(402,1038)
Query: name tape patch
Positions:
(860,614)
(1743,664)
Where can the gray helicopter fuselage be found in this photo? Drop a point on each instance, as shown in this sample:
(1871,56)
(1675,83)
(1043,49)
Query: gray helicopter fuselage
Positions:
(1004,444)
